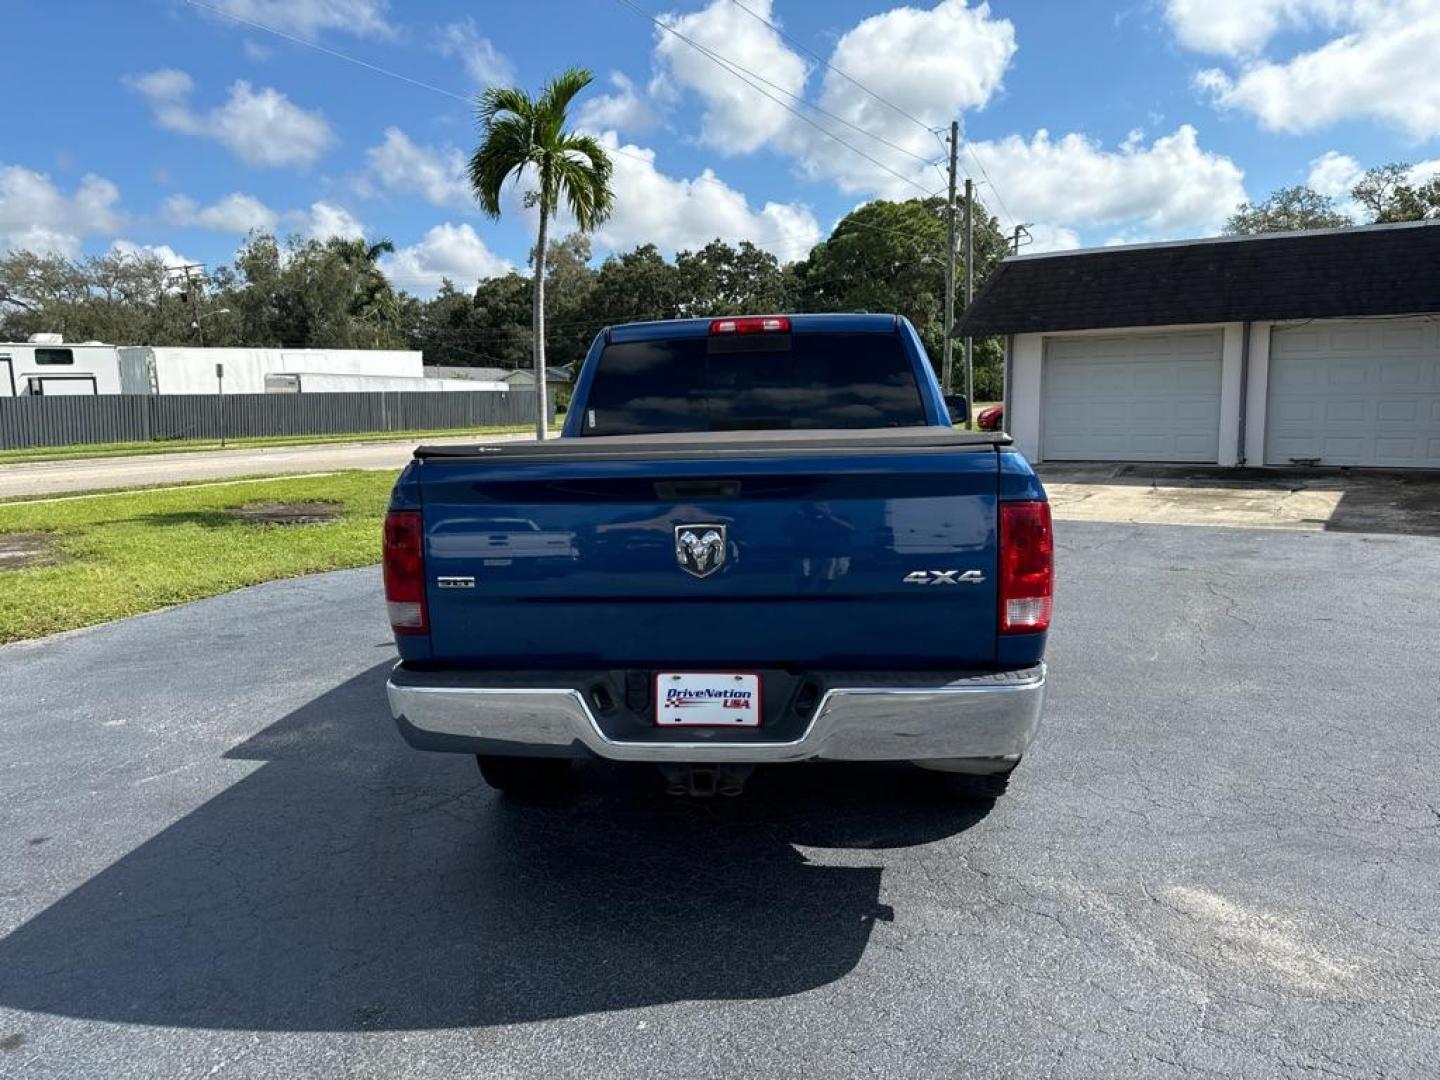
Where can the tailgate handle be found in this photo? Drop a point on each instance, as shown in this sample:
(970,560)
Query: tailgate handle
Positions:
(680,490)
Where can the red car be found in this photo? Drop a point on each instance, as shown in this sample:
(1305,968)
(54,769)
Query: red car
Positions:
(991,418)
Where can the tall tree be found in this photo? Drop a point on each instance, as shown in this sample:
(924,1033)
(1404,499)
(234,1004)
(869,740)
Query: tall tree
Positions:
(639,284)
(1389,194)
(568,287)
(722,280)
(1289,208)
(373,301)
(890,256)
(519,134)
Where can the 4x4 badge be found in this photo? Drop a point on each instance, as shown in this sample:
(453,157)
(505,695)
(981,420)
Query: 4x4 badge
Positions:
(944,577)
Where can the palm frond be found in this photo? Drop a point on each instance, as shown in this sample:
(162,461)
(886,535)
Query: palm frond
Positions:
(554,102)
(499,100)
(582,171)
(506,149)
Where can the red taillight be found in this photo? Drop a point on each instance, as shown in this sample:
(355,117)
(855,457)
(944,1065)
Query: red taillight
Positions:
(1027,567)
(751,324)
(404,563)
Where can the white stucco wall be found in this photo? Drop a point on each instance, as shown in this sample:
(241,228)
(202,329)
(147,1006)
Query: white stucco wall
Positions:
(1256,395)
(1022,413)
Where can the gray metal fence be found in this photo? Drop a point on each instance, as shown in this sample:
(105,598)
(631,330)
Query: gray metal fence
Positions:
(66,421)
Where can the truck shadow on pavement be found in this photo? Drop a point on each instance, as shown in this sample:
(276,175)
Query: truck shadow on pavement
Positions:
(350,883)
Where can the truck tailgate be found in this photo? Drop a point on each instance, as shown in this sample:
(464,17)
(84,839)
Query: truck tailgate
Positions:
(812,556)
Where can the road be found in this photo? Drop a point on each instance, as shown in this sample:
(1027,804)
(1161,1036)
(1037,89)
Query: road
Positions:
(1221,857)
(42,478)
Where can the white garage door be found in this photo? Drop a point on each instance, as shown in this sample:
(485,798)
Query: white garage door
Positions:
(1355,393)
(1132,397)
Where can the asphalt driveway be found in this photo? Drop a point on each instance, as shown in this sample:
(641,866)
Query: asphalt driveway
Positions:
(217,858)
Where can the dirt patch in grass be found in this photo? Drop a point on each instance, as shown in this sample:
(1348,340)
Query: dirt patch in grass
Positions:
(287,513)
(22,549)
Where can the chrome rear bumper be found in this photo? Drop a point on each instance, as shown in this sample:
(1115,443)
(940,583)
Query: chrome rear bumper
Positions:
(911,717)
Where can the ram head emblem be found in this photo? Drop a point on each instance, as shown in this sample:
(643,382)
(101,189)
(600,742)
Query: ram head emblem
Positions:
(700,549)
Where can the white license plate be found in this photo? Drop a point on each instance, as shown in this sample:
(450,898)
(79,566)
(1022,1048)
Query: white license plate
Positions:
(707,699)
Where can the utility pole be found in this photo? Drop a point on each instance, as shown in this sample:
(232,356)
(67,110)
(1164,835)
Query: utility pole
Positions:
(969,295)
(949,345)
(1021,232)
(194,281)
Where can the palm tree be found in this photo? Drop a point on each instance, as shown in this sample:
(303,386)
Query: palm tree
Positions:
(519,133)
(373,301)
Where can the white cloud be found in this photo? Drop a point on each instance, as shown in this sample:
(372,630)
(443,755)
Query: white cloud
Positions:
(363,18)
(164,252)
(261,127)
(954,59)
(1240,27)
(235,213)
(37,216)
(1169,188)
(446,251)
(737,119)
(437,175)
(483,62)
(955,56)
(1380,68)
(674,214)
(625,110)
(1045,237)
(325,220)
(1334,174)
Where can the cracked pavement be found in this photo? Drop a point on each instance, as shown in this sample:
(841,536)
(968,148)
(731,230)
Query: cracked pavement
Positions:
(1220,858)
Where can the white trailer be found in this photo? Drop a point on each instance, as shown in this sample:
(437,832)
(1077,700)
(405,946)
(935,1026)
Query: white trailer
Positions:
(146,369)
(50,367)
(323,382)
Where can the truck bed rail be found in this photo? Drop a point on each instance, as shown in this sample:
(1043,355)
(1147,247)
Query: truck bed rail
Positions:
(700,445)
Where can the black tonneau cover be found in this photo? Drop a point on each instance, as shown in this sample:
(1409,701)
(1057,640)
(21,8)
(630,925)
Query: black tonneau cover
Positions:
(691,445)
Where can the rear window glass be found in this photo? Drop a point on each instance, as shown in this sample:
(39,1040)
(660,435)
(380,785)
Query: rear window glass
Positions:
(54,356)
(755,383)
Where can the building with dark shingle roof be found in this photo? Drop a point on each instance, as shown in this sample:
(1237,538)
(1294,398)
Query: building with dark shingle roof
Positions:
(1318,346)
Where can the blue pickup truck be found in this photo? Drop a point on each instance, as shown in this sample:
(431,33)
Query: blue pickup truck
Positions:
(758,540)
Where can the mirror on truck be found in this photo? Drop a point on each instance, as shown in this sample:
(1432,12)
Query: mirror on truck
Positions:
(958,407)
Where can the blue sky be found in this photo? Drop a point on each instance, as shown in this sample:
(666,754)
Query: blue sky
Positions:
(165,124)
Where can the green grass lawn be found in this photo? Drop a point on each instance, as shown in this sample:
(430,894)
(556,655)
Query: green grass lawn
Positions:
(170,446)
(124,554)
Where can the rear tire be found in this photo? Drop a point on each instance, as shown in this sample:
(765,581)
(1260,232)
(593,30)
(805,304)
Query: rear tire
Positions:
(526,778)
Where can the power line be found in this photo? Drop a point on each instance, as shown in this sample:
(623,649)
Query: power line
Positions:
(387,72)
(793,96)
(884,101)
(800,237)
(734,69)
(256,25)
(990,183)
(848,78)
